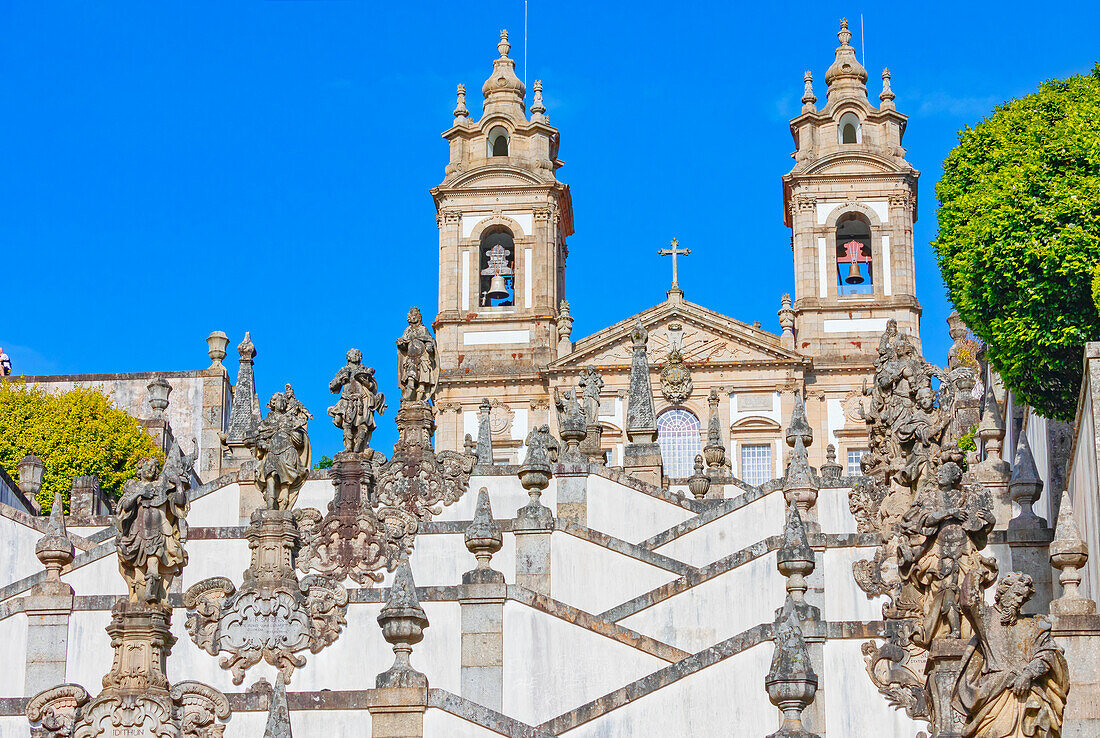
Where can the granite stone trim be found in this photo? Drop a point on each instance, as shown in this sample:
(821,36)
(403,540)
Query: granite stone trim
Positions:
(727,563)
(481,715)
(626,480)
(684,583)
(719,508)
(625,548)
(26,583)
(595,623)
(658,679)
(40,523)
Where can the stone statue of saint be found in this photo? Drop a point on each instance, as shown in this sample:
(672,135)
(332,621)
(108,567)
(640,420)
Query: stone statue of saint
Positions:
(942,534)
(151,527)
(1015,678)
(542,448)
(591,384)
(359,401)
(281,445)
(417,370)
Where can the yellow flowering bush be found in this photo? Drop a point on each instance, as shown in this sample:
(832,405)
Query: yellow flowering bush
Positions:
(75,433)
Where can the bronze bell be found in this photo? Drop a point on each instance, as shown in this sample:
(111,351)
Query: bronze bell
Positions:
(499,291)
(854,277)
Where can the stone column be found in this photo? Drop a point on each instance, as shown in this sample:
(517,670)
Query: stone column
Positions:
(215,402)
(572,495)
(482,605)
(398,702)
(532,527)
(48,607)
(397,712)
(642,455)
(993,471)
(86,498)
(1028,534)
(943,669)
(244,416)
(484,433)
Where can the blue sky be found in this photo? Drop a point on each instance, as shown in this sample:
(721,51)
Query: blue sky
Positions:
(173,168)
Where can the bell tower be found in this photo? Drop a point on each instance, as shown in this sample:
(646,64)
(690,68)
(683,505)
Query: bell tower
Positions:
(850,201)
(503,219)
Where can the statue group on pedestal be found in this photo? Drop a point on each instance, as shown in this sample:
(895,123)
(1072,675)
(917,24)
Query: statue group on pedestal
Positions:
(967,668)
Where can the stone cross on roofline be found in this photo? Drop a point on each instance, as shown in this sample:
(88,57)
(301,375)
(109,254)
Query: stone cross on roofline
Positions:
(674,252)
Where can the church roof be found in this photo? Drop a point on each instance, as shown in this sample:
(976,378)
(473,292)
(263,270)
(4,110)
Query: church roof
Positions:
(709,338)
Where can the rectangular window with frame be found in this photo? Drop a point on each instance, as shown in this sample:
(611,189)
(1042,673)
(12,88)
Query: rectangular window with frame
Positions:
(854,456)
(756,463)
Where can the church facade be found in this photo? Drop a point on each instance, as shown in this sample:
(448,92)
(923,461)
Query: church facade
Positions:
(505,330)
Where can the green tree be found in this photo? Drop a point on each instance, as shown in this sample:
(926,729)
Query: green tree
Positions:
(324,463)
(75,433)
(1019,237)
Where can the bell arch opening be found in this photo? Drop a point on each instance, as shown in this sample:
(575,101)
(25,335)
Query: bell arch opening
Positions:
(498,141)
(497,268)
(854,258)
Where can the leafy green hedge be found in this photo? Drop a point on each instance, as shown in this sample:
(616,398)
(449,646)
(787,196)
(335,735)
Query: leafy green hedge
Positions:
(75,433)
(1019,237)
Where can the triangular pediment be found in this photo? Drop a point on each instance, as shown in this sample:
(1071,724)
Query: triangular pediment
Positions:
(709,338)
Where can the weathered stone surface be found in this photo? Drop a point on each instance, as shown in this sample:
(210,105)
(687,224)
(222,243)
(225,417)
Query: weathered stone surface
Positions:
(641,419)
(272,616)
(403,622)
(278,714)
(359,401)
(417,366)
(280,444)
(151,523)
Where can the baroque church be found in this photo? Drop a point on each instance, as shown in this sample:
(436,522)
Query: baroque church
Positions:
(505,331)
(682,524)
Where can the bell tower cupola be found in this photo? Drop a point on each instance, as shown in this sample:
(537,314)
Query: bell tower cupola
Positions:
(850,201)
(503,219)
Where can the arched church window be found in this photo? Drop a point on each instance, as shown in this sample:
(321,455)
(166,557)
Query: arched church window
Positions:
(680,442)
(850,131)
(497,268)
(854,260)
(498,141)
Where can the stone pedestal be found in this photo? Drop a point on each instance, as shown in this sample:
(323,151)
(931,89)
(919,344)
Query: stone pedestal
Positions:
(272,616)
(47,638)
(137,699)
(532,528)
(592,445)
(1030,555)
(942,671)
(397,712)
(251,495)
(572,505)
(643,461)
(482,607)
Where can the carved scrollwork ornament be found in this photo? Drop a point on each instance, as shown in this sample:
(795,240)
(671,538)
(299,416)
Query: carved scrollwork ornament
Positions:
(273,616)
(676,381)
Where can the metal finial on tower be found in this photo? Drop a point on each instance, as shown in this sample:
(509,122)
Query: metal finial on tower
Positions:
(809,99)
(460,109)
(887,96)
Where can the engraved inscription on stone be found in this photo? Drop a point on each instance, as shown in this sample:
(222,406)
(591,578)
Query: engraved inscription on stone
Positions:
(758,403)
